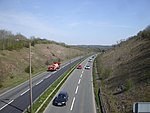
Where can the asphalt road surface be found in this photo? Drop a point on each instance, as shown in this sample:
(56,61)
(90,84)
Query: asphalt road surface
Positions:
(16,100)
(79,86)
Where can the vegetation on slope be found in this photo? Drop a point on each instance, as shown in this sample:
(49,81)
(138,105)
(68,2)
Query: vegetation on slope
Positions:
(14,57)
(9,41)
(125,72)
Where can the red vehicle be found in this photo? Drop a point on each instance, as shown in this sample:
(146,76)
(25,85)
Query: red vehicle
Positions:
(54,66)
(79,66)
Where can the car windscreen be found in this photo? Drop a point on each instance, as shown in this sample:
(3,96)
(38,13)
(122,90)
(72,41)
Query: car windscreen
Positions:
(61,96)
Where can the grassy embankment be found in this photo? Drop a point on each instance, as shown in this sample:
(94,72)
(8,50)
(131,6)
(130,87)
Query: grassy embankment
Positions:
(125,72)
(14,63)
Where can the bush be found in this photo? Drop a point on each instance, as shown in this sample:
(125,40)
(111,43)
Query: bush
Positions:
(129,84)
(32,43)
(27,69)
(1,85)
(11,76)
(47,62)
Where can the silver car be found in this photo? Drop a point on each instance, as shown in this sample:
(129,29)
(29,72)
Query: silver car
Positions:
(87,67)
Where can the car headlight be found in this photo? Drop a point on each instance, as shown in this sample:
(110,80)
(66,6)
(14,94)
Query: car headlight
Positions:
(63,102)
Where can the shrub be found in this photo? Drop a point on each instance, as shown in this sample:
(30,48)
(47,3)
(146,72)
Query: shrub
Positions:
(47,62)
(11,76)
(27,69)
(1,85)
(129,84)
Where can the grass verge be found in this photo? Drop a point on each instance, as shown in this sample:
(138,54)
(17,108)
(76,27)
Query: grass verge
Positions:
(96,88)
(41,103)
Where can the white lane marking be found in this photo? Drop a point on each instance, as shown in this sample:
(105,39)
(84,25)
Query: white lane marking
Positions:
(65,65)
(77,90)
(86,63)
(82,71)
(48,76)
(81,76)
(79,81)
(25,92)
(6,105)
(72,104)
(91,78)
(39,82)
(54,72)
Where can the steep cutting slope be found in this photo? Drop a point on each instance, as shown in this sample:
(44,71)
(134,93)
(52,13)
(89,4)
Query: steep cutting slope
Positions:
(125,72)
(14,62)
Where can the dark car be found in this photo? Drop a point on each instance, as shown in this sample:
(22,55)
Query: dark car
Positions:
(90,60)
(61,99)
(93,56)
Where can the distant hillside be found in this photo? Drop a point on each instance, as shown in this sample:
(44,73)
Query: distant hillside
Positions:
(125,72)
(94,46)
(14,57)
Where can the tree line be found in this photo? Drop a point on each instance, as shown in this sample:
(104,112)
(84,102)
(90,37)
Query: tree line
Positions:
(9,41)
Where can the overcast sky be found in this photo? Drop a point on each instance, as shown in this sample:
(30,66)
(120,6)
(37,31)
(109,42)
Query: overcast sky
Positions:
(96,22)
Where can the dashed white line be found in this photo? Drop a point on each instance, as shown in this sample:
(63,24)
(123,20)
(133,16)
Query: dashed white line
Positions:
(25,92)
(47,76)
(86,63)
(81,76)
(72,104)
(77,90)
(6,105)
(39,82)
(82,71)
(79,81)
(54,71)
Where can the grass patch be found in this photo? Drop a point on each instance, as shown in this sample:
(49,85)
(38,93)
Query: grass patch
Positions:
(129,84)
(13,80)
(96,88)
